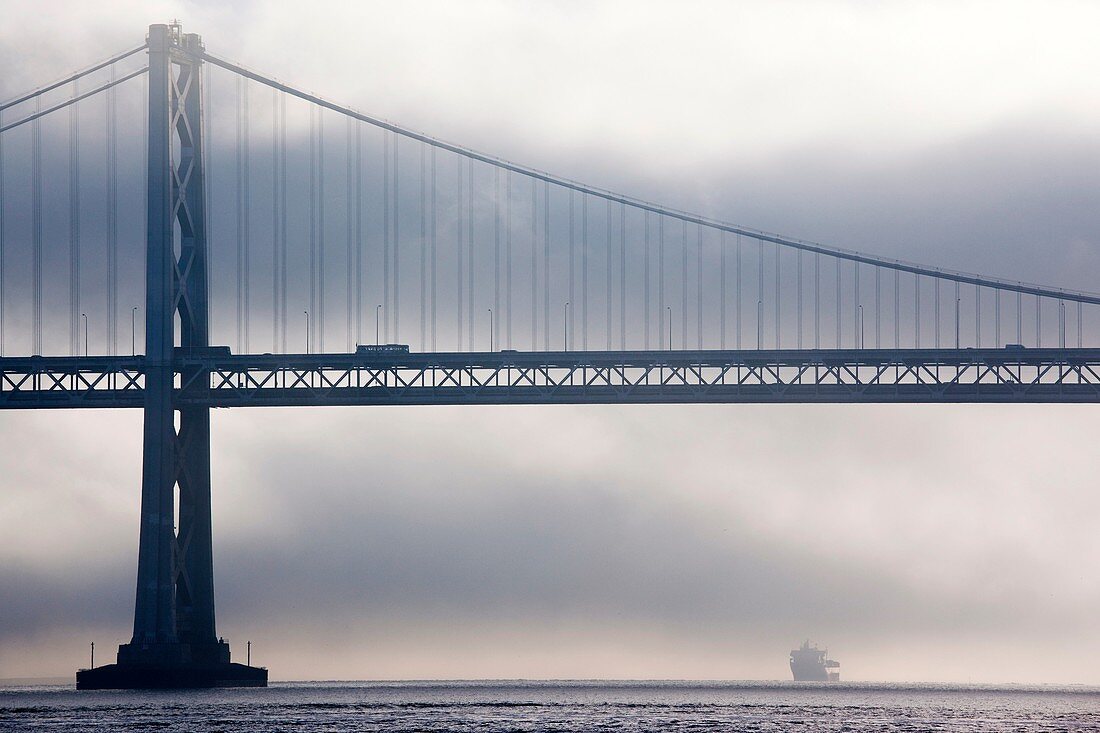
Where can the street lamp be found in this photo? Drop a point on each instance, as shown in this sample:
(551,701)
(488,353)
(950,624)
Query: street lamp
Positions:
(133,331)
(669,307)
(1062,319)
(306,314)
(377,330)
(85,317)
(490,330)
(565,321)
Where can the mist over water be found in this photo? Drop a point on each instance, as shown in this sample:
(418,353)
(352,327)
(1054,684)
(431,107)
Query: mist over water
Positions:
(925,542)
(491,707)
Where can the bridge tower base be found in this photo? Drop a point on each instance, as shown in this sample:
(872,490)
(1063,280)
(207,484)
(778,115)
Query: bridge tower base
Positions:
(174,642)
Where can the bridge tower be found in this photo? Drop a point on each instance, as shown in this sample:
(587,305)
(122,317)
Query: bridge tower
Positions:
(174,642)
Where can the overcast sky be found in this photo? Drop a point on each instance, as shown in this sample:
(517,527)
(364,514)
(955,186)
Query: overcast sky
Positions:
(917,542)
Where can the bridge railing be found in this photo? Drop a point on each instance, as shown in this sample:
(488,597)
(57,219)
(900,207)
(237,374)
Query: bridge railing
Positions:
(805,376)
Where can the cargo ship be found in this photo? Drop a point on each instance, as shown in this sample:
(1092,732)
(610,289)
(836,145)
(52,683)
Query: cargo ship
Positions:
(810,664)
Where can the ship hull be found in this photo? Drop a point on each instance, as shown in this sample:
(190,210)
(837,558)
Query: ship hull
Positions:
(809,673)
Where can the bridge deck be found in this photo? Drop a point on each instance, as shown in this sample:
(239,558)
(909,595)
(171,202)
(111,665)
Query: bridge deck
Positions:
(215,378)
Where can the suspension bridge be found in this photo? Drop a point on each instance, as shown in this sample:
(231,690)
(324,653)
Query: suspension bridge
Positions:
(269,247)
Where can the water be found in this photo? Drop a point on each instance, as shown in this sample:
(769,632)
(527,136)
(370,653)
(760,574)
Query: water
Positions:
(488,707)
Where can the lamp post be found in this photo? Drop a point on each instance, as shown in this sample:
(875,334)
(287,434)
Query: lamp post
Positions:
(669,308)
(377,321)
(565,322)
(306,314)
(85,317)
(1062,320)
(490,330)
(133,331)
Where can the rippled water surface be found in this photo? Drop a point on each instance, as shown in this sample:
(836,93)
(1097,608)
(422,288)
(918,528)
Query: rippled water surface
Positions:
(557,706)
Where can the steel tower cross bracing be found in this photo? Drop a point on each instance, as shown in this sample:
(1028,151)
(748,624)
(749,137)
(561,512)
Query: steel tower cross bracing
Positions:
(174,642)
(174,613)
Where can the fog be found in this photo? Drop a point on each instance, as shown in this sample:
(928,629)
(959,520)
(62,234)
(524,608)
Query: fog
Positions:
(917,542)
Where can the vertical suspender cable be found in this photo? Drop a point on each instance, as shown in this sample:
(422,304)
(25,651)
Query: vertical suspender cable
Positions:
(112,216)
(546,264)
(572,270)
(936,296)
(459,212)
(916,304)
(319,330)
(359,233)
(607,293)
(997,317)
(204,76)
(36,232)
(738,302)
(312,223)
(977,316)
(508,254)
(759,292)
(1019,317)
(778,297)
(275,221)
(622,277)
(1061,324)
(722,290)
(839,304)
(470,259)
(799,276)
(74,225)
(495,328)
(897,309)
(1038,322)
(661,282)
(645,214)
(584,272)
(958,300)
(1080,315)
(534,265)
(855,306)
(282,224)
(817,301)
(349,211)
(423,249)
(434,251)
(396,302)
(240,212)
(386,233)
(246,124)
(683,285)
(878,307)
(699,286)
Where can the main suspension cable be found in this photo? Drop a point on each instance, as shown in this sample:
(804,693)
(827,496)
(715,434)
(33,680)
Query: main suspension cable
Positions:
(893,264)
(71,78)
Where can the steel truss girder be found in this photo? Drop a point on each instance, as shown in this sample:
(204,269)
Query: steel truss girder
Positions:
(203,381)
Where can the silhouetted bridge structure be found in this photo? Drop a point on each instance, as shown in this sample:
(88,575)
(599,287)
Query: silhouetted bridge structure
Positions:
(522,288)
(601,377)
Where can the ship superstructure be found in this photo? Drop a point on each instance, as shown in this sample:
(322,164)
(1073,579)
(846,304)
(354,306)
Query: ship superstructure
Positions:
(810,664)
